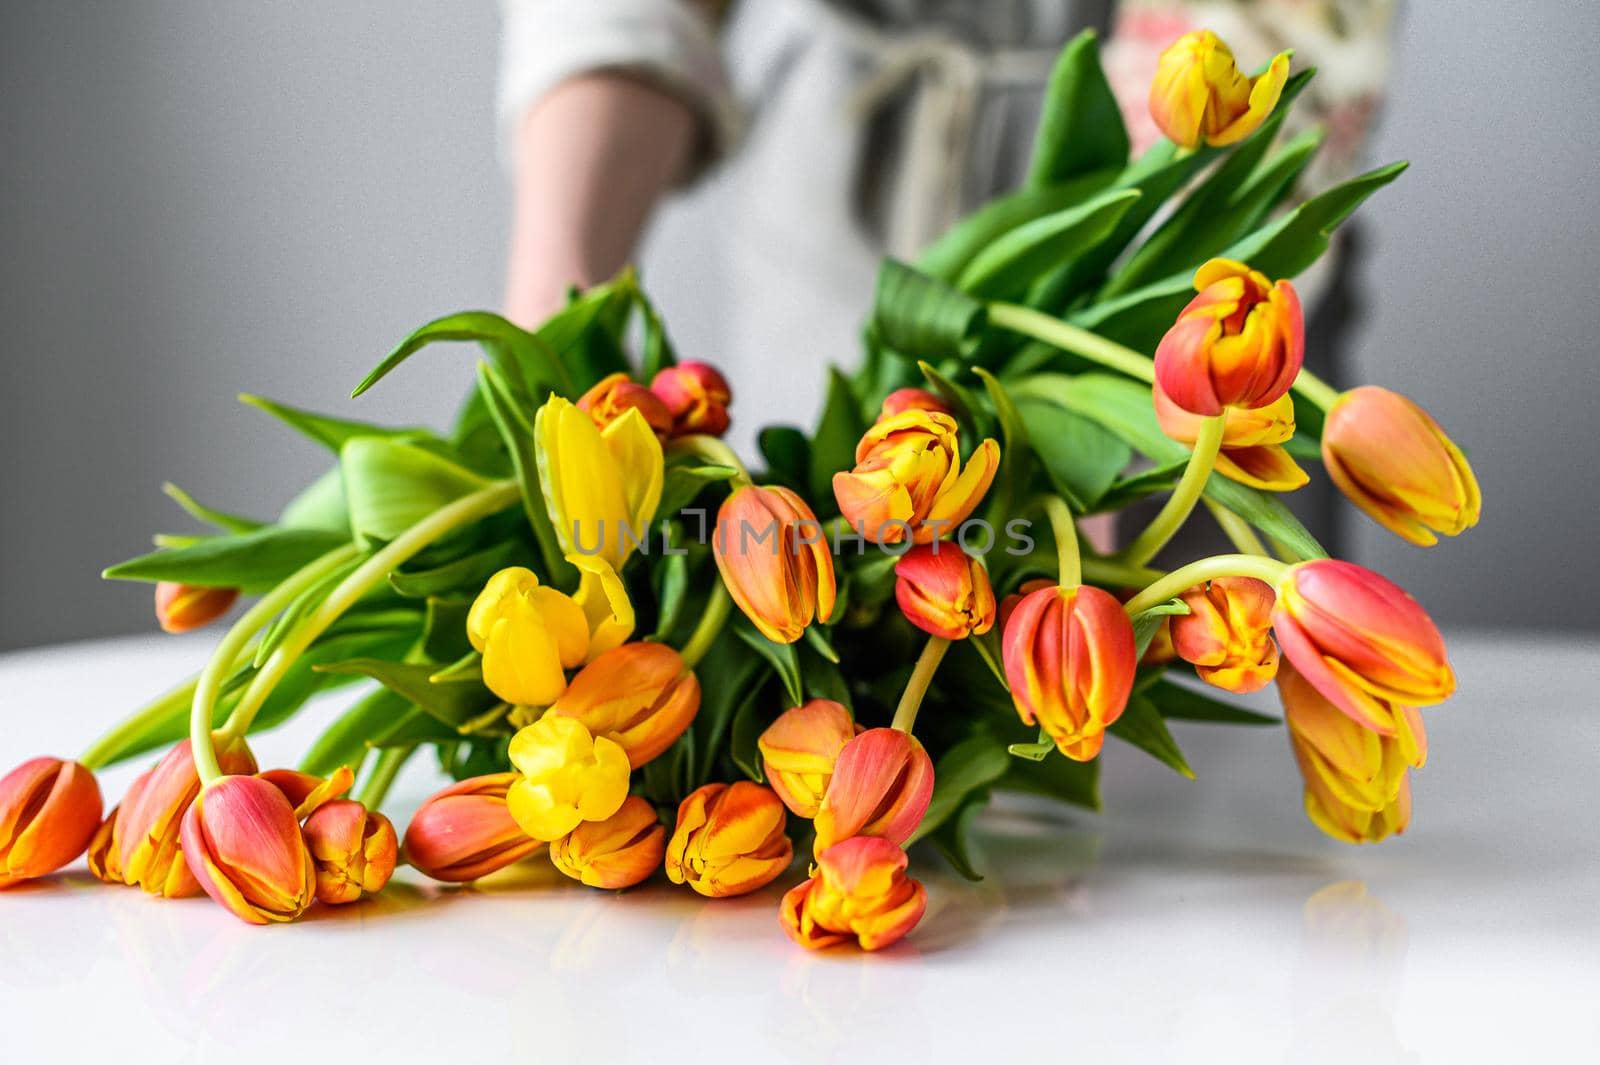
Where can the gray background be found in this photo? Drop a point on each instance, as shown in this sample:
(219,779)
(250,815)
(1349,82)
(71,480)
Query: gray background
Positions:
(199,198)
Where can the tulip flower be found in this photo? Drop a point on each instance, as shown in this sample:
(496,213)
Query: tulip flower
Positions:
(640,696)
(1394,462)
(619,852)
(774,560)
(1070,661)
(696,396)
(529,634)
(49,812)
(466,831)
(601,487)
(1239,343)
(1227,634)
(904,399)
(881,786)
(799,750)
(603,598)
(1361,641)
(860,893)
(308,792)
(1252,441)
(729,840)
(186,607)
(1199,97)
(615,395)
(354,850)
(149,823)
(908,481)
(1352,824)
(568,776)
(243,844)
(944,592)
(103,857)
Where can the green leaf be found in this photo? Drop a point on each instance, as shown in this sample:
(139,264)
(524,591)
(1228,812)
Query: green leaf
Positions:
(658,351)
(788,455)
(517,433)
(672,586)
(332,433)
(302,605)
(391,485)
(1035,751)
(947,256)
(1016,467)
(960,399)
(578,336)
(833,446)
(743,748)
(252,561)
(952,841)
(464,575)
(345,741)
(1080,127)
(1057,777)
(1016,260)
(1142,726)
(1148,622)
(684,481)
(1131,489)
(526,360)
(722,704)
(320,505)
(220,518)
(1081,457)
(1182,703)
(923,318)
(455,703)
(780,656)
(444,635)
(970,766)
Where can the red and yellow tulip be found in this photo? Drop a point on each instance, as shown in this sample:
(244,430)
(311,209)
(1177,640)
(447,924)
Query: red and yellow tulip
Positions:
(49,813)
(881,785)
(774,560)
(567,776)
(640,696)
(619,852)
(860,894)
(799,750)
(908,481)
(729,840)
(1199,97)
(186,607)
(944,591)
(1252,441)
(243,845)
(904,399)
(354,850)
(466,831)
(697,397)
(614,395)
(1227,634)
(149,822)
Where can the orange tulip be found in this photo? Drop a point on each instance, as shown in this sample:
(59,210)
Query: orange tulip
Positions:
(696,396)
(640,696)
(904,399)
(243,844)
(465,831)
(49,812)
(908,481)
(944,592)
(103,856)
(1252,441)
(1361,641)
(1394,462)
(307,792)
(1199,97)
(615,395)
(881,786)
(799,750)
(729,840)
(1070,661)
(355,850)
(1227,634)
(1239,343)
(774,560)
(185,607)
(150,819)
(619,852)
(860,892)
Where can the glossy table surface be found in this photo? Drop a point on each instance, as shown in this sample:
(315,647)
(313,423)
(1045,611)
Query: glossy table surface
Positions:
(1192,921)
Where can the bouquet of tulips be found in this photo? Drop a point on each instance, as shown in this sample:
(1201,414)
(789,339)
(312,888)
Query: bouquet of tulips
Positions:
(637,651)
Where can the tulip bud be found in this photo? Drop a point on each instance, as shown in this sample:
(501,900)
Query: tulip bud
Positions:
(104,861)
(243,844)
(696,396)
(1394,462)
(904,399)
(908,481)
(308,792)
(466,831)
(185,607)
(49,811)
(860,892)
(1239,343)
(882,784)
(1199,97)
(1227,634)
(615,395)
(1252,441)
(568,776)
(1361,641)
(529,635)
(1010,602)
(640,696)
(1070,660)
(944,592)
(619,852)
(354,850)
(601,486)
(729,840)
(150,819)
(774,560)
(798,752)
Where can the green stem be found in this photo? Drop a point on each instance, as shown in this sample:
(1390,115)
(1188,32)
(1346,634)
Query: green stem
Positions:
(1181,503)
(496,497)
(388,766)
(1237,529)
(1054,331)
(224,660)
(1315,389)
(1207,569)
(1069,560)
(710,626)
(712,450)
(905,715)
(1116,575)
(105,750)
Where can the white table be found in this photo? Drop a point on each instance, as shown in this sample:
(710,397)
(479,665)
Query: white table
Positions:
(1191,922)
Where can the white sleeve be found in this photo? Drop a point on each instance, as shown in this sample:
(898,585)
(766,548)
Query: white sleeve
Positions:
(669,42)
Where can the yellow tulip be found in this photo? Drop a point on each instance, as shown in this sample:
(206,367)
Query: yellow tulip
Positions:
(1199,97)
(568,776)
(529,635)
(601,487)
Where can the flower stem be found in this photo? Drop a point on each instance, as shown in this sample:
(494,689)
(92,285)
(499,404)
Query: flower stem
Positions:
(225,659)
(1181,503)
(1110,572)
(905,715)
(106,749)
(480,504)
(710,626)
(1054,331)
(387,767)
(1237,529)
(1315,389)
(712,450)
(1207,569)
(1069,561)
